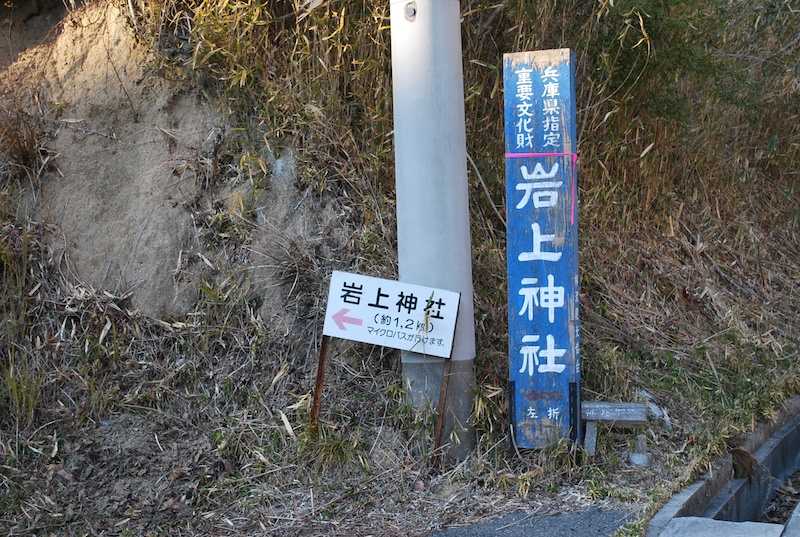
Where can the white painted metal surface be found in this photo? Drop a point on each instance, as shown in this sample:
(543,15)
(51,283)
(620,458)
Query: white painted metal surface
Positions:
(430,156)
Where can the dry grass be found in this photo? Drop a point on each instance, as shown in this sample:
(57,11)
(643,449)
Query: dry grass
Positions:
(689,151)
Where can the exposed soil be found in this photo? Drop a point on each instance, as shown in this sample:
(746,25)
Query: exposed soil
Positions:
(132,179)
(123,140)
(135,160)
(25,24)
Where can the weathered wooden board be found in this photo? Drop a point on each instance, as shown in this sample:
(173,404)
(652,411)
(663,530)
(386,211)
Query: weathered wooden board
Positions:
(541,197)
(619,415)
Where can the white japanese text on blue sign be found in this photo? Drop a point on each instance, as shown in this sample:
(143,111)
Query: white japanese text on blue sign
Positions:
(541,196)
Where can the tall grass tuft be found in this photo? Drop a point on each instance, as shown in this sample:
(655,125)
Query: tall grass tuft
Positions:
(20,142)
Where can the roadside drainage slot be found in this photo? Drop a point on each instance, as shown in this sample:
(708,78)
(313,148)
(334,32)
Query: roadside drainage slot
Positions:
(721,496)
(747,498)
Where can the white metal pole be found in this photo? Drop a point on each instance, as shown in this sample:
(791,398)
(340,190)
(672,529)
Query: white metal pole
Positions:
(433,230)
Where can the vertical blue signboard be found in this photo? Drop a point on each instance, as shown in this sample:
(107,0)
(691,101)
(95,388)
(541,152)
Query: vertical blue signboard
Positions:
(543,285)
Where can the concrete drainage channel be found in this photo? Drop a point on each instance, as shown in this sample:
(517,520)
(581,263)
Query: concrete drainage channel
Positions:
(725,506)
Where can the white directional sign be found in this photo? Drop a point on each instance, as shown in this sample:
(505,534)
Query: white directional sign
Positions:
(392,314)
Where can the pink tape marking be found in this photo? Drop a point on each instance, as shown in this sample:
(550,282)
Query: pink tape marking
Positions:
(574,173)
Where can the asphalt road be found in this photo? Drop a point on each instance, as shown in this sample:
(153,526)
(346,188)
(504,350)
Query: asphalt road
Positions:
(593,522)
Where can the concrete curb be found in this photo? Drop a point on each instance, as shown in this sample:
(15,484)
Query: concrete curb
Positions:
(706,527)
(721,497)
(793,526)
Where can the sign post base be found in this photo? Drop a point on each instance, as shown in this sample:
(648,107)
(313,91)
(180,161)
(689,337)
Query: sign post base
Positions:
(423,377)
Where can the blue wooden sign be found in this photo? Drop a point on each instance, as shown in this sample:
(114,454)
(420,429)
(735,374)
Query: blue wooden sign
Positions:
(543,285)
